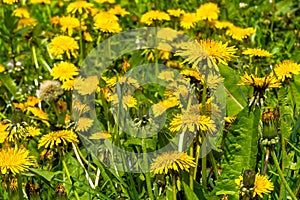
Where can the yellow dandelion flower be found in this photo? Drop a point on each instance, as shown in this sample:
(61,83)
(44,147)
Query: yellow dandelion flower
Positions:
(213,81)
(40,1)
(153,16)
(21,13)
(286,69)
(166,75)
(100,135)
(172,161)
(107,26)
(4,126)
(175,13)
(63,44)
(229,120)
(223,24)
(37,112)
(79,6)
(262,185)
(193,72)
(10,2)
(160,107)
(129,101)
(191,120)
(15,160)
(260,83)
(64,71)
(104,16)
(209,11)
(33,131)
(69,23)
(55,20)
(79,107)
(174,64)
(239,33)
(87,37)
(207,49)
(105,1)
(32,101)
(188,20)
(86,86)
(21,106)
(257,52)
(26,22)
(68,85)
(164,55)
(57,138)
(84,124)
(2,68)
(166,34)
(118,10)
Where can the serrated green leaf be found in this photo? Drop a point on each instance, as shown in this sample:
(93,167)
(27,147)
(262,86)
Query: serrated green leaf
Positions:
(241,150)
(47,175)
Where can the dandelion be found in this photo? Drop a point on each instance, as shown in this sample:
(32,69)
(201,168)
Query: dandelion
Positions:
(172,161)
(57,138)
(68,24)
(239,33)
(188,20)
(285,69)
(207,49)
(10,2)
(68,85)
(128,101)
(50,90)
(40,1)
(192,73)
(21,13)
(55,20)
(153,16)
(105,1)
(79,7)
(86,86)
(37,112)
(33,131)
(31,101)
(209,11)
(2,68)
(64,71)
(63,44)
(15,160)
(175,13)
(26,22)
(223,24)
(162,106)
(260,83)
(256,52)
(107,26)
(84,124)
(261,185)
(118,10)
(166,75)
(191,120)
(100,135)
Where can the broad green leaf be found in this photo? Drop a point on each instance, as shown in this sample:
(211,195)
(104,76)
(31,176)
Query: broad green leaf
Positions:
(47,175)
(236,99)
(9,83)
(188,193)
(240,151)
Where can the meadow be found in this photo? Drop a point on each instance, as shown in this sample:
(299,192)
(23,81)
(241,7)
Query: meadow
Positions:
(137,99)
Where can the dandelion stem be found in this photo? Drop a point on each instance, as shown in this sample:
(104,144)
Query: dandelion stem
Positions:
(174,186)
(147,173)
(19,179)
(192,171)
(69,178)
(213,163)
(80,41)
(287,187)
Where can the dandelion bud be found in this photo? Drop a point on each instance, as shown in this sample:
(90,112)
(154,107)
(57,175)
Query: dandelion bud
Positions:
(50,90)
(249,178)
(270,126)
